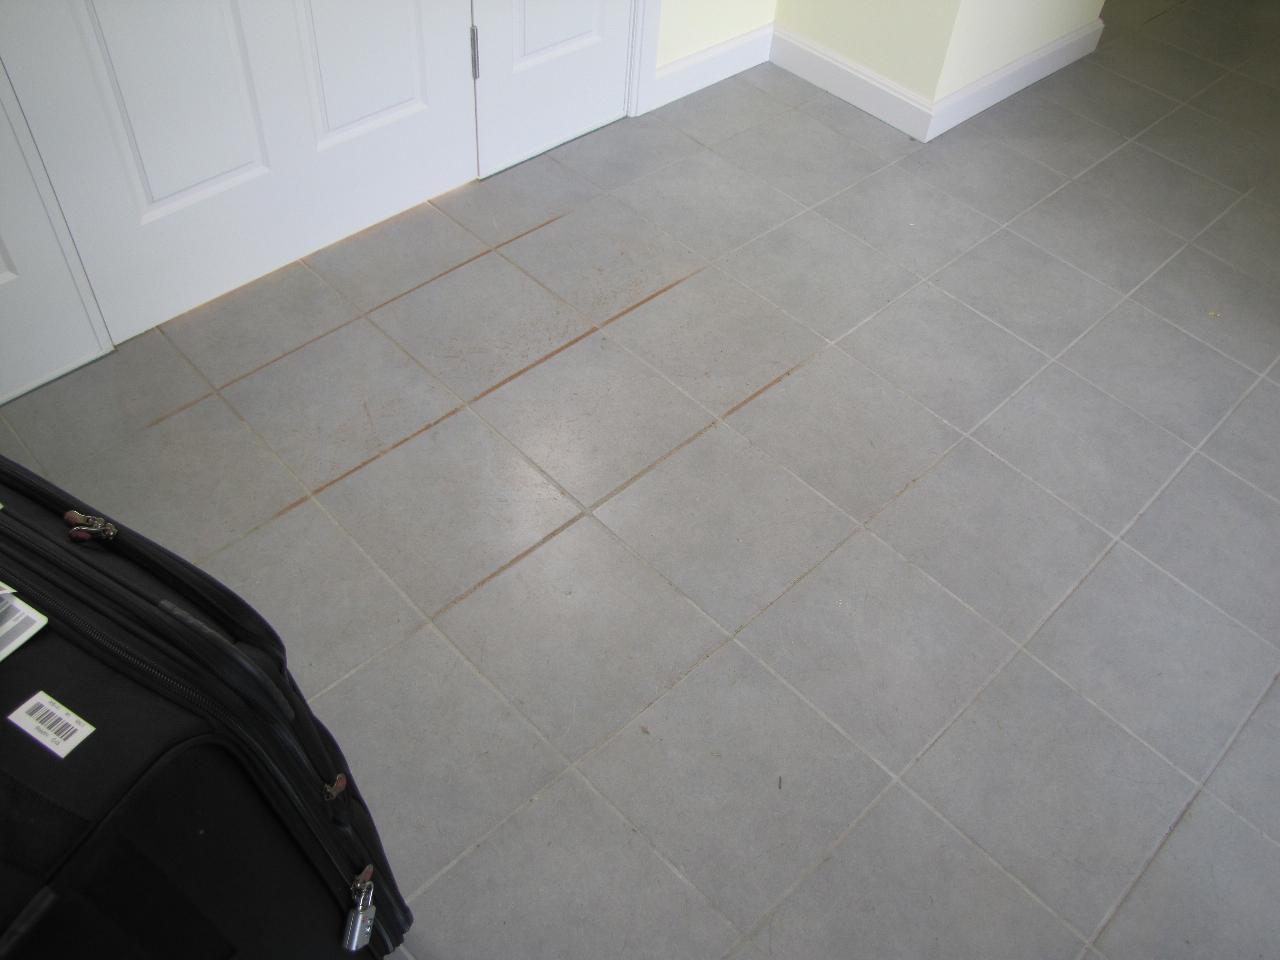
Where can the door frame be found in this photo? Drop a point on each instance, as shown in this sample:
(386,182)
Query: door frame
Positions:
(651,86)
(12,113)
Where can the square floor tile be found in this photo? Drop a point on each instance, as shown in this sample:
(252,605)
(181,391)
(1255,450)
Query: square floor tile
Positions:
(1159,659)
(725,525)
(1101,237)
(1104,97)
(1249,776)
(371,267)
(566,878)
(1210,893)
(1179,200)
(518,199)
(980,170)
(102,404)
(1026,290)
(194,482)
(715,339)
(1226,153)
(462,761)
(1264,68)
(1087,448)
(13,448)
(997,540)
(1244,102)
(602,258)
(696,772)
(479,324)
(916,224)
(1207,34)
(333,608)
(1267,189)
(339,401)
(905,886)
(781,84)
(1039,128)
(1248,237)
(1167,69)
(1168,377)
(861,127)
(254,324)
(719,111)
(1220,537)
(803,158)
(1217,303)
(845,431)
(593,416)
(1066,800)
(446,509)
(957,363)
(822,275)
(707,203)
(581,635)
(878,647)
(625,150)
(1249,442)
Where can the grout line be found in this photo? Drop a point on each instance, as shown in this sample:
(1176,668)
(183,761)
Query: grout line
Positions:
(479,584)
(382,453)
(1168,834)
(536,363)
(174,412)
(653,296)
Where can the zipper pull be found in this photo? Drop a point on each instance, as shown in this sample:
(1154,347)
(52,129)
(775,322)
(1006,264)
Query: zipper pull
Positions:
(331,790)
(84,527)
(359,928)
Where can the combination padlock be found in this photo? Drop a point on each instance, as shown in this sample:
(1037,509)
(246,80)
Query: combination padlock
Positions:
(360,919)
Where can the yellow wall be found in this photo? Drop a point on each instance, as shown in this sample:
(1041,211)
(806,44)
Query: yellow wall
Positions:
(690,26)
(904,41)
(990,34)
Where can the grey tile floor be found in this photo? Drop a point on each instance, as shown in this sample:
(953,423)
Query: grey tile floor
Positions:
(744,531)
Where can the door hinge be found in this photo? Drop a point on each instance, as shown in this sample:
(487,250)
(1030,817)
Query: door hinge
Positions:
(475,53)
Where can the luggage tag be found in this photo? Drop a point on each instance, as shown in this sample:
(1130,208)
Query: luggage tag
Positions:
(51,724)
(19,621)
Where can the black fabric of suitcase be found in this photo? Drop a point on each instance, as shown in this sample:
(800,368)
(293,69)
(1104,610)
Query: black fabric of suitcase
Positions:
(208,814)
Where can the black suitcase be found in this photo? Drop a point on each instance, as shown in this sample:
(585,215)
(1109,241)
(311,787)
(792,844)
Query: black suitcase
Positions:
(165,790)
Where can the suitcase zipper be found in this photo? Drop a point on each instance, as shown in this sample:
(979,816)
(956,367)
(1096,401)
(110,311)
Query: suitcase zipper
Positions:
(84,527)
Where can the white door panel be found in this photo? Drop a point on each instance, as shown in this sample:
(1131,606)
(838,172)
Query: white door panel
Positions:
(45,328)
(550,70)
(197,144)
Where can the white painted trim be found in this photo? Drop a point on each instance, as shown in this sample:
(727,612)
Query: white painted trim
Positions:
(865,89)
(656,86)
(987,91)
(35,165)
(908,111)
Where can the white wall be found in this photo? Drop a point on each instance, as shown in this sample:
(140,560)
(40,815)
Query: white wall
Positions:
(688,27)
(903,41)
(991,34)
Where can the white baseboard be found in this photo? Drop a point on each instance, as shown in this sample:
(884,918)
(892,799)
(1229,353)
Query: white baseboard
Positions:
(909,112)
(865,89)
(1008,80)
(689,74)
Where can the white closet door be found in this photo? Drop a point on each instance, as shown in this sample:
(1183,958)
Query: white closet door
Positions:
(549,70)
(45,328)
(197,144)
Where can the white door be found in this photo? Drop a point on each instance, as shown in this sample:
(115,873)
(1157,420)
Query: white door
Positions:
(45,328)
(549,70)
(197,144)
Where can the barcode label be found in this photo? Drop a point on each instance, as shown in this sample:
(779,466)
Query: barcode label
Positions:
(19,622)
(51,723)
